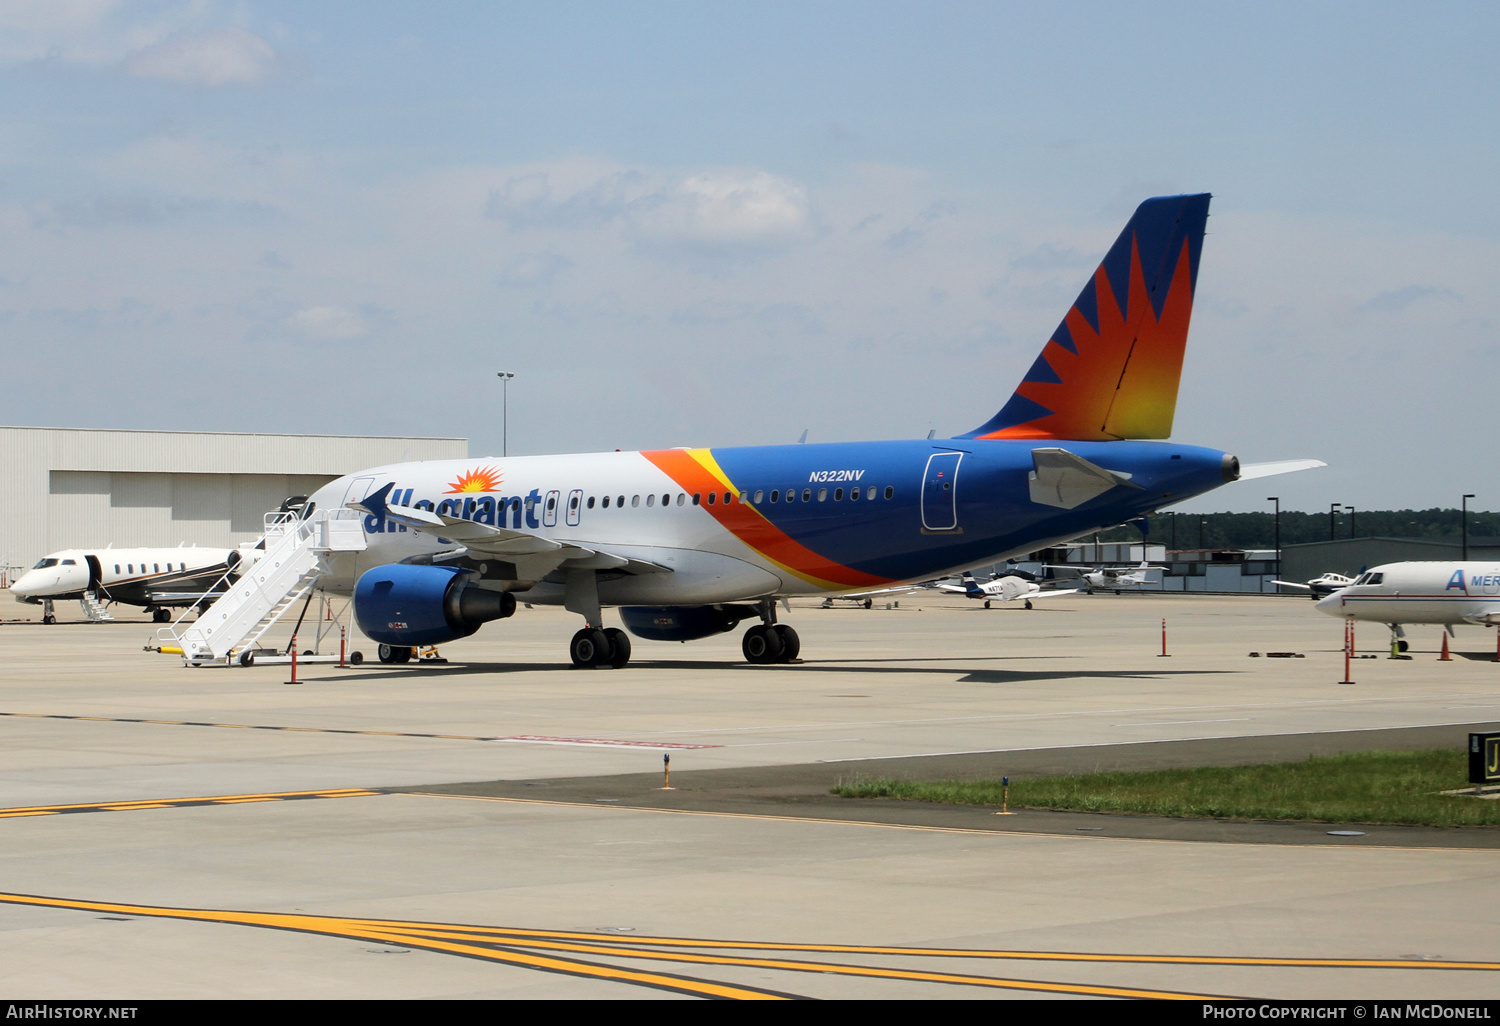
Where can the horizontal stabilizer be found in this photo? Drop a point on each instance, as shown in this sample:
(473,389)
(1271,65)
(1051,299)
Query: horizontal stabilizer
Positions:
(1250,471)
(1066,480)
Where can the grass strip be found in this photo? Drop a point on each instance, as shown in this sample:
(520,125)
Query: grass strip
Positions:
(1360,787)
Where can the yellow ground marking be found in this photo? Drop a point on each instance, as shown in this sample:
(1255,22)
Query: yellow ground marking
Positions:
(835,968)
(1020,956)
(172,803)
(361,930)
(481,941)
(918,827)
(254,726)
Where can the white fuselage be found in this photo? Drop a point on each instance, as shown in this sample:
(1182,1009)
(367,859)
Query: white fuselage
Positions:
(1421,592)
(707,563)
(126,575)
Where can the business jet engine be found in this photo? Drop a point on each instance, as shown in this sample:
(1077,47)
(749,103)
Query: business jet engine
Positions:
(408,606)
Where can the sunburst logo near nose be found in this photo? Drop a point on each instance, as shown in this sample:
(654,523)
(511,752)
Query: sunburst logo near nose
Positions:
(485,479)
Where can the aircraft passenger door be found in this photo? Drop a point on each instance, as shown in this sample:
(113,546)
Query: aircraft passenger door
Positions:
(575,506)
(940,492)
(549,510)
(96,573)
(358,489)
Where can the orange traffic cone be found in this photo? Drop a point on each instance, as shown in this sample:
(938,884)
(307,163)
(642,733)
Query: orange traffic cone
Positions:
(1445,657)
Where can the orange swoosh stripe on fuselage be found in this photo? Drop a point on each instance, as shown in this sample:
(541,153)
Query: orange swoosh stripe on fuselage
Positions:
(696,471)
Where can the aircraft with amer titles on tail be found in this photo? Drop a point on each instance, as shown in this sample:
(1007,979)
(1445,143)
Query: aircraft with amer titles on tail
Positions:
(1427,591)
(687,543)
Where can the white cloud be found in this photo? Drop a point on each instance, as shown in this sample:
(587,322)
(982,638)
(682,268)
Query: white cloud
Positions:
(711,209)
(230,56)
(330,323)
(174,43)
(727,207)
(72,30)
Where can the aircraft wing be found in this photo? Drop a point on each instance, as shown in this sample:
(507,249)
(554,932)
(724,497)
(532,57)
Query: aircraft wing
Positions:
(1250,471)
(540,555)
(1294,584)
(1049,593)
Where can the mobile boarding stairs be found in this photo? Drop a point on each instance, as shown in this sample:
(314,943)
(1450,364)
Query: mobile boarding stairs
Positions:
(293,561)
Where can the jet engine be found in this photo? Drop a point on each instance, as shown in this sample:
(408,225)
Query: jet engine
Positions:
(407,606)
(682,623)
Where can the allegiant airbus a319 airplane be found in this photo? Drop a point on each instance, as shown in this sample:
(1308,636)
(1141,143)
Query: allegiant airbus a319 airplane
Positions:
(689,542)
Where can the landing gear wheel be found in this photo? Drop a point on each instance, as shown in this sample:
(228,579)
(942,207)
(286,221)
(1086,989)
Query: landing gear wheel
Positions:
(1401,645)
(394,654)
(619,646)
(790,643)
(1028,603)
(986,603)
(49,619)
(161,616)
(869,603)
(589,647)
(762,644)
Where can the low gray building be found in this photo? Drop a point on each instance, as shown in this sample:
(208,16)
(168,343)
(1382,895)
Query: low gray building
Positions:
(73,487)
(1349,556)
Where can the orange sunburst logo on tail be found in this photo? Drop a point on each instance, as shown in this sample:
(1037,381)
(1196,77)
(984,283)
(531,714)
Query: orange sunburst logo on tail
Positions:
(485,479)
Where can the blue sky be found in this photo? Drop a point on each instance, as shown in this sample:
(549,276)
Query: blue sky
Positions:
(689,224)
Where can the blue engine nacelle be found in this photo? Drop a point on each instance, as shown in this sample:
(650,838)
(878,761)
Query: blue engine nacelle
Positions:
(405,605)
(681,623)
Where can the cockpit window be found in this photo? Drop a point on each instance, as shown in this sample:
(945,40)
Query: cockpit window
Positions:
(1362,579)
(1375,578)
(44,564)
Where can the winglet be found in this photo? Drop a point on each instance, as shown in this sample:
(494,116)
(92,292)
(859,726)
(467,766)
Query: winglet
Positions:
(374,503)
(1112,367)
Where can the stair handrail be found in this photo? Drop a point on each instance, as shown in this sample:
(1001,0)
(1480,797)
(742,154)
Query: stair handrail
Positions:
(276,525)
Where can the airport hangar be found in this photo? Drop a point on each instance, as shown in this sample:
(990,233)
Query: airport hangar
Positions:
(85,488)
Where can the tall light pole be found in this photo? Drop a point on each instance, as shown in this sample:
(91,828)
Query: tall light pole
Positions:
(1331,518)
(1350,511)
(504,377)
(1277,499)
(1465,517)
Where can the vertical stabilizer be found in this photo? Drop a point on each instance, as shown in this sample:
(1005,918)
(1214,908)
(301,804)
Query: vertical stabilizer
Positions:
(1112,367)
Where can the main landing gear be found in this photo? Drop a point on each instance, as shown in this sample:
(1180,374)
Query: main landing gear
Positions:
(395,653)
(769,641)
(594,647)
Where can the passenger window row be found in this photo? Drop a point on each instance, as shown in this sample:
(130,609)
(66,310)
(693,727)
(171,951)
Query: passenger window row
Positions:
(713,498)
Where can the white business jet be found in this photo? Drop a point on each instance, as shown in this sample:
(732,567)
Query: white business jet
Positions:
(1420,592)
(156,579)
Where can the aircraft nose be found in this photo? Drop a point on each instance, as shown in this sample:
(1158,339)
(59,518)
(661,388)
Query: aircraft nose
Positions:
(25,585)
(1331,605)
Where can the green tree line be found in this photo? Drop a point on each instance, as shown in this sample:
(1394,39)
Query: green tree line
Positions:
(1258,530)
